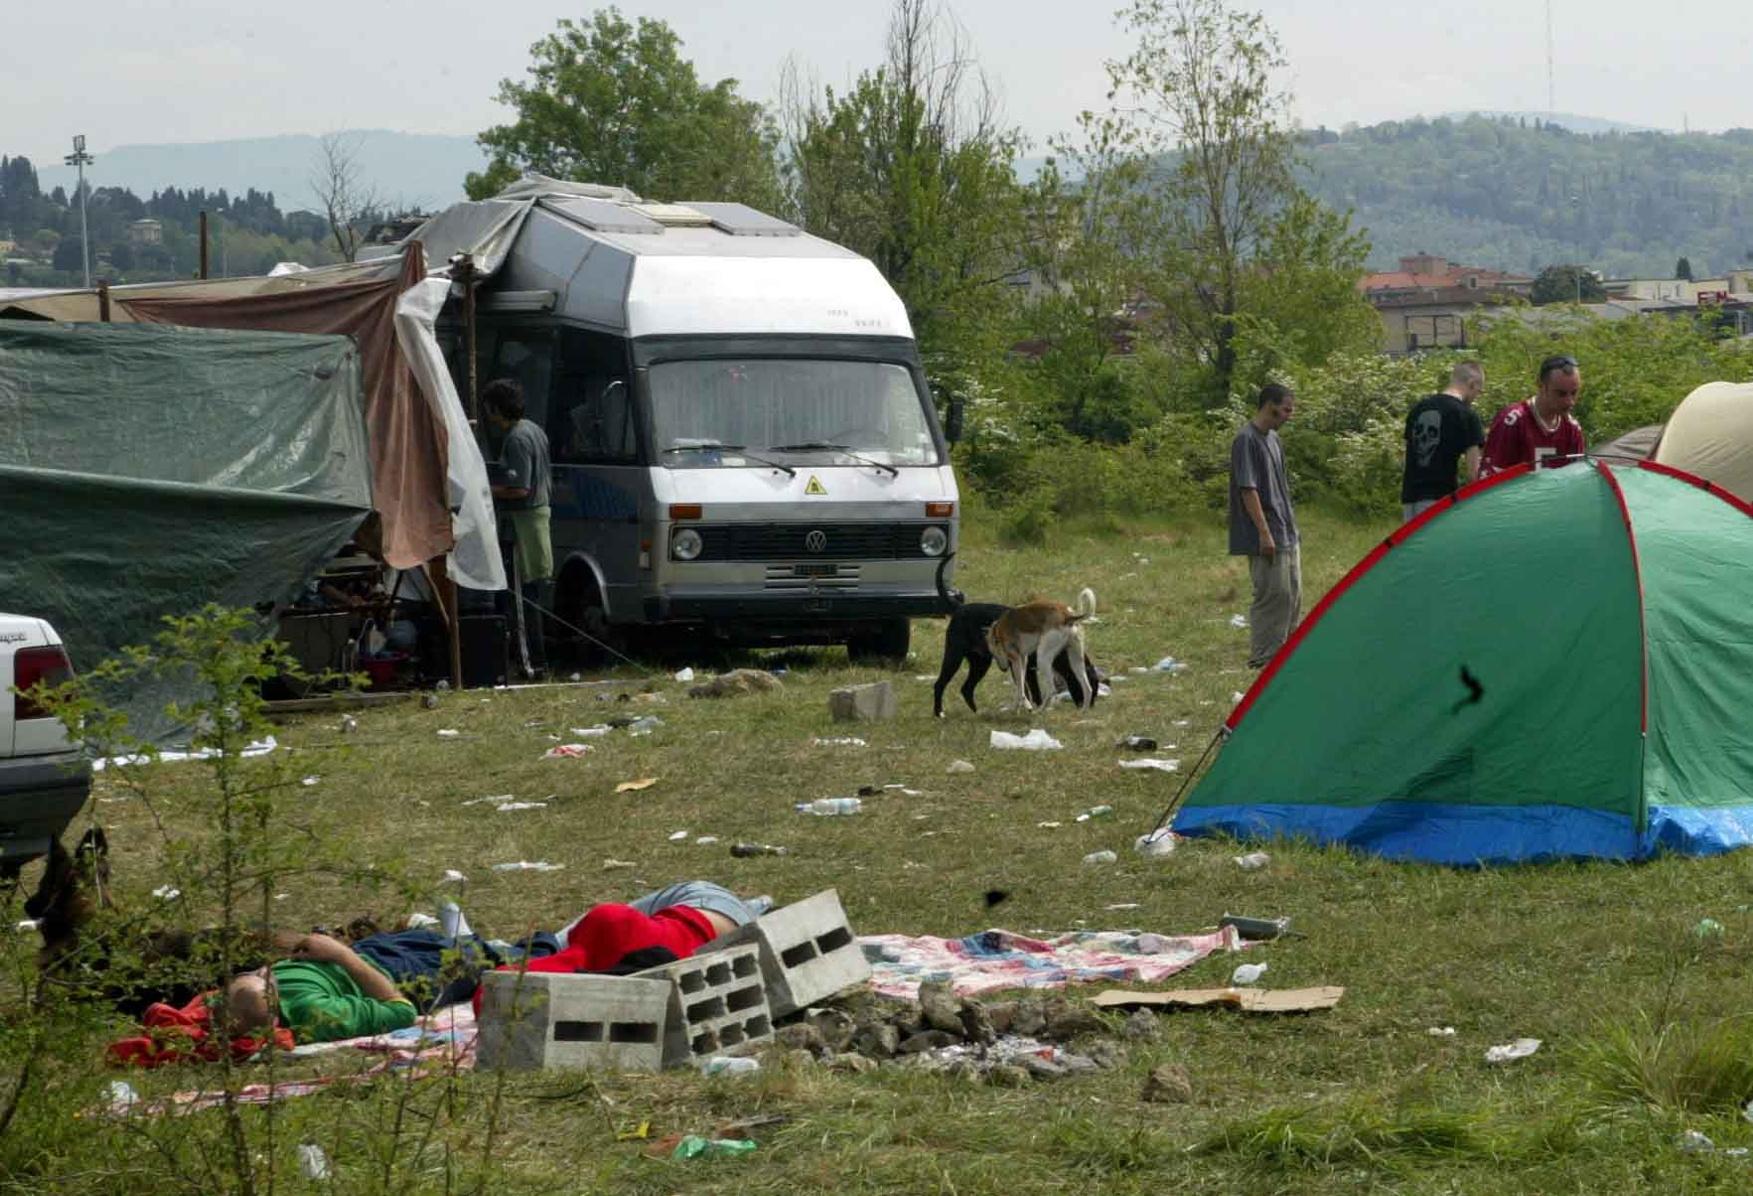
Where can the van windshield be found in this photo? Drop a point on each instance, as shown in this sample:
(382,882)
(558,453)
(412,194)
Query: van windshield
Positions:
(754,411)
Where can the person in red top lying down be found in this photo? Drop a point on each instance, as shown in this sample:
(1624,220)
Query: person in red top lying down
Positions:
(1530,432)
(659,928)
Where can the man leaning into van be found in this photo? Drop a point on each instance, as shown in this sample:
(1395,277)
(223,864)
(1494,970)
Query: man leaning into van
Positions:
(521,496)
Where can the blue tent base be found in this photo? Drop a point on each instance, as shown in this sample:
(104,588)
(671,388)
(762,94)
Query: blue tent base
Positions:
(1472,835)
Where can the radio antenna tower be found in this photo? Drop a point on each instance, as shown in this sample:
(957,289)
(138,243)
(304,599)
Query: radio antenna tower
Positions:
(1551,106)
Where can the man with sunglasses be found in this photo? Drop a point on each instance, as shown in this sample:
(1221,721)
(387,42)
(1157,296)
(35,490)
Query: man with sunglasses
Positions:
(1542,428)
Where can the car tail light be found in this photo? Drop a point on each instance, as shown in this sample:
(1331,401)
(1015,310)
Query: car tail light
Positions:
(33,666)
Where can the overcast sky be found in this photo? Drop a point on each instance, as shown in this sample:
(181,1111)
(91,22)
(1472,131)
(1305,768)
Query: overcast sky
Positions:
(125,72)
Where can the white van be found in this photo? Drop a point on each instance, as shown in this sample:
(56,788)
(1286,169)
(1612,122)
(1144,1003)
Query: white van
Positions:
(741,432)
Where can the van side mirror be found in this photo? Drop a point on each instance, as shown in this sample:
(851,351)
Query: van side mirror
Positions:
(952,424)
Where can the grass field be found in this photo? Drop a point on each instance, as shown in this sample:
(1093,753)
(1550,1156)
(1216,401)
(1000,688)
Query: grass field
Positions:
(1640,1017)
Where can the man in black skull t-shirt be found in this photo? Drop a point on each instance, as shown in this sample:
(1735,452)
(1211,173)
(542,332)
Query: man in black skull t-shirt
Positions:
(1440,430)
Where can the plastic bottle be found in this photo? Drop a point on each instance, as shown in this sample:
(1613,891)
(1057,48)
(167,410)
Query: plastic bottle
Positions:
(831,806)
(730,1065)
(1100,857)
(745,850)
(312,1161)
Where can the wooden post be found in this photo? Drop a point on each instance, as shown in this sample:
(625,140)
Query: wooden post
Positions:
(465,273)
(445,589)
(103,301)
(203,224)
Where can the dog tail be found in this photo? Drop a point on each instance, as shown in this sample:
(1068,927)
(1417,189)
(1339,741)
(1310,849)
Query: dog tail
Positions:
(1086,603)
(951,598)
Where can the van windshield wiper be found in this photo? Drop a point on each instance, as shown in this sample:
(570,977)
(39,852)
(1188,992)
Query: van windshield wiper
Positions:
(714,446)
(822,446)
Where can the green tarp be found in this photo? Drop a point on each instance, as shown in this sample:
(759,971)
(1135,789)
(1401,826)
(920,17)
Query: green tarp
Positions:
(1475,690)
(147,470)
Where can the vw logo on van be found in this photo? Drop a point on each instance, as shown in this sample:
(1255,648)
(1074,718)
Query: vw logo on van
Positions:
(816,541)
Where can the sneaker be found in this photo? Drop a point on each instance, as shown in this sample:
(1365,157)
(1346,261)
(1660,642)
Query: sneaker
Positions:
(760,904)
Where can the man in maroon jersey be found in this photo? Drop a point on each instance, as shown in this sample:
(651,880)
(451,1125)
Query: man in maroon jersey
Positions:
(1531,431)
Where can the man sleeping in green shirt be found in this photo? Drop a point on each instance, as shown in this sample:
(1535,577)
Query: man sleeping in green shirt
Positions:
(322,991)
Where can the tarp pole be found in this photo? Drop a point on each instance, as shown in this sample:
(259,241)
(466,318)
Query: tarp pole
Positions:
(103,302)
(445,588)
(465,272)
(203,223)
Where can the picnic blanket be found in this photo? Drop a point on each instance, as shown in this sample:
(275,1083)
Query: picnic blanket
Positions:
(439,1042)
(995,959)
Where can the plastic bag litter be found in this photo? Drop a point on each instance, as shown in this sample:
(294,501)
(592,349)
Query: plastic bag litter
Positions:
(956,766)
(842,741)
(167,893)
(312,1161)
(309,781)
(567,751)
(1238,621)
(695,1147)
(1253,861)
(123,1098)
(528,866)
(448,733)
(592,732)
(611,864)
(636,785)
(452,877)
(678,836)
(1095,812)
(1521,1048)
(1159,765)
(507,807)
(1247,973)
(685,674)
(644,726)
(419,921)
(1156,844)
(1037,740)
(705,840)
(729,1065)
(1441,1031)
(1100,857)
(1169,664)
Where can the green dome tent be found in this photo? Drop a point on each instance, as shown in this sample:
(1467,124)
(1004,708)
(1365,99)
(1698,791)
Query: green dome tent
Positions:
(1553,663)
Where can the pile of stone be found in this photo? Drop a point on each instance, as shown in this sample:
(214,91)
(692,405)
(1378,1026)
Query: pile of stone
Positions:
(1003,1042)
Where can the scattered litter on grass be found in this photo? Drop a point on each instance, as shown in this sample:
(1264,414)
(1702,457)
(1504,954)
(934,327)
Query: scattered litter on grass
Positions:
(1156,844)
(1169,664)
(1159,764)
(611,864)
(1747,1111)
(1100,857)
(567,751)
(1247,1000)
(260,747)
(1183,722)
(729,1065)
(26,925)
(1095,812)
(349,724)
(507,807)
(1120,905)
(448,733)
(1236,695)
(1037,740)
(744,850)
(123,1098)
(923,677)
(635,786)
(695,1147)
(312,1161)
(420,921)
(309,781)
(1247,973)
(1258,930)
(705,840)
(1253,861)
(528,866)
(956,766)
(167,893)
(1136,743)
(1049,826)
(1507,1052)
(1441,1031)
(592,732)
(644,726)
(685,674)
(678,836)
(1238,621)
(452,877)
(842,741)
(493,798)
(830,806)
(1708,928)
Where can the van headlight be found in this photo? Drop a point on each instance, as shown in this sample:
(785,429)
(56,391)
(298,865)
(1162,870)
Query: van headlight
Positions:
(686,544)
(933,541)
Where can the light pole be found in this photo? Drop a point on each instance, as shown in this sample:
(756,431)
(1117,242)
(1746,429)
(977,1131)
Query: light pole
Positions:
(81,159)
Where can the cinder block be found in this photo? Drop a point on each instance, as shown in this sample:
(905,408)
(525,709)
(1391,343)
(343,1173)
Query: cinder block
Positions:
(540,1020)
(718,1000)
(862,703)
(808,952)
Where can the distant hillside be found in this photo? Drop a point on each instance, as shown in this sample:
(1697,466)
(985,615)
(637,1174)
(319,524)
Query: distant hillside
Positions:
(1567,120)
(408,169)
(1516,195)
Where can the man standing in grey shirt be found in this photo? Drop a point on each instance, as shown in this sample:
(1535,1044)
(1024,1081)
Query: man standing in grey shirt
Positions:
(521,496)
(1263,524)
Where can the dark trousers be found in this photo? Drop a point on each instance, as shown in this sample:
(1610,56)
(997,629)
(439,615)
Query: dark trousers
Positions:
(433,971)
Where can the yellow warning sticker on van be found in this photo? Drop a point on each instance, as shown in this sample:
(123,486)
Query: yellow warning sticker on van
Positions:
(815,486)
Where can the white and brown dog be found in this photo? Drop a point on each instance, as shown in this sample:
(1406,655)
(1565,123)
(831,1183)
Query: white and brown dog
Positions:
(1042,629)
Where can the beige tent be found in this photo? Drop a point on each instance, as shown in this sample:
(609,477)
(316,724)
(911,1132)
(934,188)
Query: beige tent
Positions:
(1711,434)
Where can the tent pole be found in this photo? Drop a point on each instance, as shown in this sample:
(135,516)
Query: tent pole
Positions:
(465,271)
(446,588)
(103,302)
(203,223)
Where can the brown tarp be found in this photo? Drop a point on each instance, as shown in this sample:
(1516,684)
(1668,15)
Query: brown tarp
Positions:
(409,447)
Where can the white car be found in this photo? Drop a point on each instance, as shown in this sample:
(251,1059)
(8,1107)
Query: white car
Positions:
(44,778)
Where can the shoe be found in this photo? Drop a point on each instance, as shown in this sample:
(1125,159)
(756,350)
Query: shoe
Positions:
(760,904)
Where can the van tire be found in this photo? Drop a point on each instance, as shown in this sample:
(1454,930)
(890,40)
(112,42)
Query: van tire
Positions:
(884,644)
(581,605)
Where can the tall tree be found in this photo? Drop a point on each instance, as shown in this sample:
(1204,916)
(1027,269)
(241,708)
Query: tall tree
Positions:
(1683,269)
(614,102)
(913,166)
(338,181)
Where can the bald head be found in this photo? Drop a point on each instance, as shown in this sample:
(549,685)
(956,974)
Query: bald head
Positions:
(1467,380)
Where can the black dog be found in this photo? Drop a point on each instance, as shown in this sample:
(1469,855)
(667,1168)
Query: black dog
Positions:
(965,639)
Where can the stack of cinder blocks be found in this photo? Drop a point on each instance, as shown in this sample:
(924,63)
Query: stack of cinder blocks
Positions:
(723,997)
